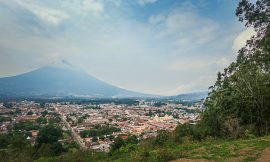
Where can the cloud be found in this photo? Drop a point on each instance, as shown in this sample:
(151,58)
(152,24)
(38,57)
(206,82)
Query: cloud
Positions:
(185,28)
(223,62)
(66,62)
(184,64)
(200,84)
(240,41)
(197,64)
(116,2)
(47,15)
(94,6)
(180,89)
(154,51)
(145,2)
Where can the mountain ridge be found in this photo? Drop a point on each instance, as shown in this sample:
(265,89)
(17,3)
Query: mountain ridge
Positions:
(60,82)
(51,81)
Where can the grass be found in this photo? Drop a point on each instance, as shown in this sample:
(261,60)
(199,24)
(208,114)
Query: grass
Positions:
(245,150)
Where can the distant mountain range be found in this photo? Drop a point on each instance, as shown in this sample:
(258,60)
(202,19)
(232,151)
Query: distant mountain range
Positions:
(65,82)
(194,96)
(60,82)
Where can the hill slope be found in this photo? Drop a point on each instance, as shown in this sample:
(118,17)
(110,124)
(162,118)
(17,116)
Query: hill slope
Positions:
(211,150)
(192,96)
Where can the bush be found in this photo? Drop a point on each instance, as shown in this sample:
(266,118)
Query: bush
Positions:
(164,155)
(161,138)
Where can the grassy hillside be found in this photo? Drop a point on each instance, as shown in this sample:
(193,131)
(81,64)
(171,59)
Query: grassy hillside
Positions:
(225,150)
(211,149)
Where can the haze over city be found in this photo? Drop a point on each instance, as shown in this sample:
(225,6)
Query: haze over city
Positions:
(163,47)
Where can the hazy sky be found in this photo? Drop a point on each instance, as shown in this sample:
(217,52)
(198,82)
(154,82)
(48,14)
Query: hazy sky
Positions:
(154,46)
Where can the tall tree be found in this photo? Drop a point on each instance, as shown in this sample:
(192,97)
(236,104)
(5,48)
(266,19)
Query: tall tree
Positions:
(241,94)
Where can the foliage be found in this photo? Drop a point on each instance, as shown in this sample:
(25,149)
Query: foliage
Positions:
(4,140)
(71,145)
(41,120)
(4,118)
(30,113)
(49,134)
(99,131)
(14,147)
(25,125)
(78,156)
(54,120)
(80,120)
(44,113)
(132,139)
(117,144)
(7,105)
(159,104)
(161,138)
(95,139)
(124,145)
(240,99)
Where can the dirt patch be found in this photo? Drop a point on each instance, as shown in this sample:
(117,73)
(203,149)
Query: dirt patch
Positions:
(191,160)
(265,156)
(236,159)
(246,151)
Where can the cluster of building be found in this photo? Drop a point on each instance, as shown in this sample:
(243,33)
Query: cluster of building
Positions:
(18,111)
(24,111)
(143,120)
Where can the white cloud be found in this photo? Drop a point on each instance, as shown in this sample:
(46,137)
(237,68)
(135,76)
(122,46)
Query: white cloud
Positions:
(240,41)
(185,28)
(94,6)
(184,64)
(168,51)
(197,64)
(116,2)
(180,89)
(145,2)
(193,85)
(47,15)
(223,62)
(156,19)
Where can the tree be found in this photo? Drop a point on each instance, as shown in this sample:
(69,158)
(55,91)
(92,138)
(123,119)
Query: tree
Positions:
(44,113)
(30,113)
(80,120)
(57,149)
(94,139)
(54,120)
(256,15)
(241,95)
(4,119)
(117,144)
(27,125)
(132,139)
(162,137)
(7,105)
(49,134)
(102,138)
(4,140)
(41,120)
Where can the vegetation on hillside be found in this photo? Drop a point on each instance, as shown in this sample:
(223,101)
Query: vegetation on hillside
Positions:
(239,102)
(211,149)
(98,131)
